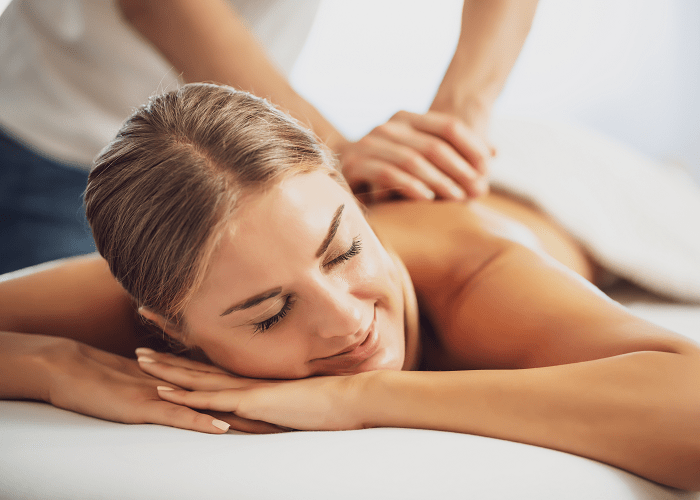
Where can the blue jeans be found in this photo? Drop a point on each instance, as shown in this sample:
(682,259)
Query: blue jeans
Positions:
(41,208)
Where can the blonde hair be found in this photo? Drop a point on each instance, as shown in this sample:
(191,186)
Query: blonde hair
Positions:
(162,190)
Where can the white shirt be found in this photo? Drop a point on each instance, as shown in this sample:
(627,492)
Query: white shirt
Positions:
(71,71)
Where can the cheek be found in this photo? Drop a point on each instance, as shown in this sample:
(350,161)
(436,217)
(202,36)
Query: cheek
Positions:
(376,266)
(271,356)
(384,274)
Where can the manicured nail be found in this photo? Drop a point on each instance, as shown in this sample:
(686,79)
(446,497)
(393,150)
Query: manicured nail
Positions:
(220,424)
(164,388)
(144,350)
(457,192)
(146,359)
(428,193)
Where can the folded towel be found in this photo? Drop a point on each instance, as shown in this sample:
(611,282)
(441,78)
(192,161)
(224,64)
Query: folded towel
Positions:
(638,218)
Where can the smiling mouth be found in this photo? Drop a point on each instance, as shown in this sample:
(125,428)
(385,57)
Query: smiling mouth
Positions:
(357,352)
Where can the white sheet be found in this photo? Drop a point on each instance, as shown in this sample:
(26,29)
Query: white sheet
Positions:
(640,219)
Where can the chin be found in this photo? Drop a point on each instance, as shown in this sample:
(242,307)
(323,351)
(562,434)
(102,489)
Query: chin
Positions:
(385,358)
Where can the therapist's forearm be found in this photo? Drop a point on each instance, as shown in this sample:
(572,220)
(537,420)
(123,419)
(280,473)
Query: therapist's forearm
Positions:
(638,411)
(492,35)
(206,41)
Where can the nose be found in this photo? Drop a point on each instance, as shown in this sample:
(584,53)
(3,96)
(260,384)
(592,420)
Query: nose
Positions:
(339,312)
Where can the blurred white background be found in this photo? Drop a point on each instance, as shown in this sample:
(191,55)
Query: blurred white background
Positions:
(628,68)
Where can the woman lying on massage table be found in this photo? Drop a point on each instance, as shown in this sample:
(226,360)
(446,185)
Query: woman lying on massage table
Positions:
(229,230)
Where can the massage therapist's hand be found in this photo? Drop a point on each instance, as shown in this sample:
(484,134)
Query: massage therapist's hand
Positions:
(93,382)
(418,156)
(317,403)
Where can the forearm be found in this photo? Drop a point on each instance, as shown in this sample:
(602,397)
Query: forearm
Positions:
(638,411)
(77,298)
(206,41)
(20,373)
(490,40)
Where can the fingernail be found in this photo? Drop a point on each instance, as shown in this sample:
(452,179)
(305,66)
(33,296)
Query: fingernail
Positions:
(144,350)
(145,359)
(428,193)
(164,388)
(457,192)
(220,424)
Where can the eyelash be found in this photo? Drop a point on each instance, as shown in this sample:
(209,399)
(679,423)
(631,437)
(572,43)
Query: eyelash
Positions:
(355,248)
(270,322)
(263,326)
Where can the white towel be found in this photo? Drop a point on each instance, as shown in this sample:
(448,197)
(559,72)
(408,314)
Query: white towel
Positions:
(638,218)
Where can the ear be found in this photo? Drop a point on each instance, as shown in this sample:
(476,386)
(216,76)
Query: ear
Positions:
(168,327)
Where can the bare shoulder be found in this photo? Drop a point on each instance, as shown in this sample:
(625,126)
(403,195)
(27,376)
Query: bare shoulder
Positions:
(498,298)
(443,243)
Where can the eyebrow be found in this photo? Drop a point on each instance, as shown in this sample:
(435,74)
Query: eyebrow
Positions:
(262,297)
(331,231)
(253,301)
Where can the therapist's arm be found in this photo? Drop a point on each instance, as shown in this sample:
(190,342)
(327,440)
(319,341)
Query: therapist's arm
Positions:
(452,134)
(490,41)
(207,41)
(415,156)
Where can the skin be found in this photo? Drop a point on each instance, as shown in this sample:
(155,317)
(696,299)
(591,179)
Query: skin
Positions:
(273,243)
(517,333)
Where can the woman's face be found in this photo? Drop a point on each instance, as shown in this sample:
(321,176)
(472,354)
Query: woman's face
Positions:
(298,286)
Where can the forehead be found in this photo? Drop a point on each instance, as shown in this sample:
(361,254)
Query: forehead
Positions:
(275,229)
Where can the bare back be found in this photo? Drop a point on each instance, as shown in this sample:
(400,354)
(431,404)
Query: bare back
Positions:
(503,287)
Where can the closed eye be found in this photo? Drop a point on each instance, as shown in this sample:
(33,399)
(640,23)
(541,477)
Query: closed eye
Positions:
(354,249)
(270,322)
(265,325)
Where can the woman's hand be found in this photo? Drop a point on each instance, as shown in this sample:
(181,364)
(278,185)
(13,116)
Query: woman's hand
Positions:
(86,380)
(418,156)
(317,403)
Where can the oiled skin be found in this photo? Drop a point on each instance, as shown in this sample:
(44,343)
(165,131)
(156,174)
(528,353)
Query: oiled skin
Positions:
(443,245)
(449,248)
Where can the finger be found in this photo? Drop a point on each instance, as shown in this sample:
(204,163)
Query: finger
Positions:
(395,144)
(192,379)
(246,425)
(382,179)
(225,400)
(171,359)
(182,417)
(450,128)
(443,155)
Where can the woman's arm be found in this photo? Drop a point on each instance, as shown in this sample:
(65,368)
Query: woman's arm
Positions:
(57,325)
(569,370)
(75,298)
(578,373)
